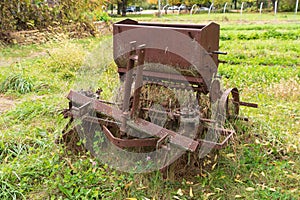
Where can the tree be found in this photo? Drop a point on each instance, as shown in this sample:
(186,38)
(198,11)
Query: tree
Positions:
(287,5)
(175,2)
(219,3)
(198,2)
(235,3)
(124,6)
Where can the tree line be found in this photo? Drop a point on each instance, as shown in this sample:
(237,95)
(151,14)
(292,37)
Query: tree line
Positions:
(38,14)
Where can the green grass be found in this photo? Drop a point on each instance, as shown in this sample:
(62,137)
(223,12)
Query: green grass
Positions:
(262,162)
(16,83)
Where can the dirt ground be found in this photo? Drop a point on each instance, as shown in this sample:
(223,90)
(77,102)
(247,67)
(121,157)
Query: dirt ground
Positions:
(5,104)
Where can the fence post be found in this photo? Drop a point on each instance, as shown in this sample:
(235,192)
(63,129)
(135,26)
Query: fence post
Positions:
(275,9)
(261,5)
(242,6)
(225,8)
(210,8)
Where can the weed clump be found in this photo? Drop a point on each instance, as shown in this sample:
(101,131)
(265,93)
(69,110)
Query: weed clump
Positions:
(69,58)
(17,83)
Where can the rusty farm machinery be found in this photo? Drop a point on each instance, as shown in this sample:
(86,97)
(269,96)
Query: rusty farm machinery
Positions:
(170,101)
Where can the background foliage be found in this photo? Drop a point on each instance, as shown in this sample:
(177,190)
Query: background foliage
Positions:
(32,14)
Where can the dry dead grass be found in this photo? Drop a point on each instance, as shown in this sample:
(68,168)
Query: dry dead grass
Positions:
(286,89)
(6,104)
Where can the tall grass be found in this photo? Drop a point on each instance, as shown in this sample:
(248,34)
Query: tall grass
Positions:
(17,83)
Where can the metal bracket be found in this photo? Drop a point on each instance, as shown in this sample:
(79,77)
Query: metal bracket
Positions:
(82,110)
(163,141)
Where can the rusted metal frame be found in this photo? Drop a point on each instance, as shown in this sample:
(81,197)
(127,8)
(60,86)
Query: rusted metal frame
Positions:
(82,110)
(109,111)
(139,124)
(138,81)
(247,104)
(223,104)
(206,35)
(122,143)
(159,26)
(176,114)
(80,99)
(236,98)
(177,86)
(162,140)
(216,145)
(207,120)
(101,121)
(222,131)
(169,76)
(127,90)
(125,143)
(129,77)
(160,111)
(133,22)
(180,140)
(142,125)
(77,98)
(193,26)
(157,131)
(109,102)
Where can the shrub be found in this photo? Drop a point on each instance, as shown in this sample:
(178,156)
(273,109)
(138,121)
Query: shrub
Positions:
(17,83)
(25,14)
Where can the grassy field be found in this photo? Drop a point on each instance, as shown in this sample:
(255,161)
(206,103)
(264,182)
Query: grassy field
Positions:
(229,18)
(262,162)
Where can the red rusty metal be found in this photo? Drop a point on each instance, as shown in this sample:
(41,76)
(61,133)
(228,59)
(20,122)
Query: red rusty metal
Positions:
(168,76)
(138,82)
(129,77)
(157,131)
(144,126)
(216,145)
(128,83)
(247,104)
(118,123)
(124,143)
(206,35)
(140,124)
(80,99)
(225,99)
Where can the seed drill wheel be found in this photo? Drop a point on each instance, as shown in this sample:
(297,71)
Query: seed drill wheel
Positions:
(230,102)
